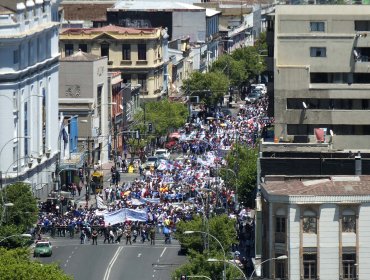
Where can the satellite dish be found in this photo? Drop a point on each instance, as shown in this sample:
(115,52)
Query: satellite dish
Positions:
(331,133)
(355,53)
(304,105)
(121,106)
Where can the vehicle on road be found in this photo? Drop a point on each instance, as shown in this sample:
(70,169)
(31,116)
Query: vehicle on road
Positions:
(253,96)
(151,162)
(98,178)
(162,153)
(43,248)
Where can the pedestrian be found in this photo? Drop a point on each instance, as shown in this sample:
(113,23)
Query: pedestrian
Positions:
(82,236)
(119,235)
(106,235)
(128,235)
(94,236)
(135,234)
(111,236)
(152,235)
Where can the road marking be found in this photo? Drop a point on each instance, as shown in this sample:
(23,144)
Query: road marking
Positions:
(110,265)
(139,255)
(164,250)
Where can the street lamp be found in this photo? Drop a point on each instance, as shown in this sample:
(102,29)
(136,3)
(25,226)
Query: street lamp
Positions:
(283,257)
(17,235)
(219,243)
(229,262)
(5,205)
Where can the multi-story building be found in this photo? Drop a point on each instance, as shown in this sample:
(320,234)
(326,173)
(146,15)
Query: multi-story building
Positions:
(29,93)
(319,223)
(135,52)
(321,73)
(83,91)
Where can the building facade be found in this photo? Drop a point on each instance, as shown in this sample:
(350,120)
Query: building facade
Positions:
(83,91)
(321,73)
(320,223)
(29,93)
(136,53)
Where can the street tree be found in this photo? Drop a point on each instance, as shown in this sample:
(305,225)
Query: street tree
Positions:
(210,87)
(232,68)
(219,226)
(21,216)
(164,116)
(16,264)
(243,161)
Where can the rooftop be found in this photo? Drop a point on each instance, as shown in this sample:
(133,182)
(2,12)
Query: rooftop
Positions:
(81,56)
(319,186)
(325,10)
(109,29)
(154,6)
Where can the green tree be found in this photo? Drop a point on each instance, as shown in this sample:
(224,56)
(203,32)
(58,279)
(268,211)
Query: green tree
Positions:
(232,68)
(21,216)
(216,83)
(164,115)
(254,64)
(243,161)
(16,264)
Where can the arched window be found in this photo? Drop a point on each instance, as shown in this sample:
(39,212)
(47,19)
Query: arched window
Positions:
(309,221)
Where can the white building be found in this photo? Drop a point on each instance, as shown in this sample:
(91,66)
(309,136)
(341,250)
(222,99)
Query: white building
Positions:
(28,93)
(321,224)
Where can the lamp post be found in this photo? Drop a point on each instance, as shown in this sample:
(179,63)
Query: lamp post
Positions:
(5,205)
(232,263)
(283,257)
(219,243)
(16,235)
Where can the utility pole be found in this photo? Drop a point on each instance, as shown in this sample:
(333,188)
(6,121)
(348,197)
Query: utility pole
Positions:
(88,170)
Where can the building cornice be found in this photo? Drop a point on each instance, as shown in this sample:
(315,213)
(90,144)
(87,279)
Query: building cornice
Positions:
(6,38)
(316,36)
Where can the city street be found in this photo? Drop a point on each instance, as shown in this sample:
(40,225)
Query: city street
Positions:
(113,261)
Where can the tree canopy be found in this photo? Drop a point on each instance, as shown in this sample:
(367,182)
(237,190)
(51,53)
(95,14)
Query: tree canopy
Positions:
(243,161)
(19,217)
(164,116)
(16,264)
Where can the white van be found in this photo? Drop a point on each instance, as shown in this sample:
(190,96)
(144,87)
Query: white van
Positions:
(261,87)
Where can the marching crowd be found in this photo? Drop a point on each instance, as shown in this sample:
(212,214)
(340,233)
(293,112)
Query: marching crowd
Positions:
(176,190)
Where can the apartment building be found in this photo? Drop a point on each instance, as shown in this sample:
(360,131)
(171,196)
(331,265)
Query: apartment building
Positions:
(321,73)
(319,223)
(138,53)
(28,93)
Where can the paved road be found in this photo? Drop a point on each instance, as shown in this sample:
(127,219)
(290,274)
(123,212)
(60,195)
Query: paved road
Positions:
(116,261)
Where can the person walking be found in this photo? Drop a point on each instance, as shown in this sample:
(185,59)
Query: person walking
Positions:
(119,235)
(94,236)
(82,236)
(128,235)
(111,236)
(152,235)
(106,235)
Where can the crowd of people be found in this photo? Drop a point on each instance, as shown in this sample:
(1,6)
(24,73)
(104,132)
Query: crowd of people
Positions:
(177,190)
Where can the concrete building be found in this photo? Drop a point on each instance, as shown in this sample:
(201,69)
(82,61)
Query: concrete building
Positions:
(83,91)
(135,52)
(321,76)
(320,223)
(29,94)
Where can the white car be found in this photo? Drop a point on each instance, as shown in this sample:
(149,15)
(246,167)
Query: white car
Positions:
(162,153)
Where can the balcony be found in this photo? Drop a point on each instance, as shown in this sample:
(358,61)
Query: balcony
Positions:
(126,62)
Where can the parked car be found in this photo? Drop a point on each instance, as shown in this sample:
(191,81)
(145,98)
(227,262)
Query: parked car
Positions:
(43,248)
(151,162)
(261,87)
(162,153)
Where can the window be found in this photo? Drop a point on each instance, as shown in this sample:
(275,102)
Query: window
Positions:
(309,221)
(280,268)
(68,49)
(318,52)
(348,221)
(362,25)
(141,51)
(349,263)
(25,128)
(280,224)
(126,78)
(309,263)
(15,56)
(141,79)
(126,52)
(317,26)
(82,47)
(104,50)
